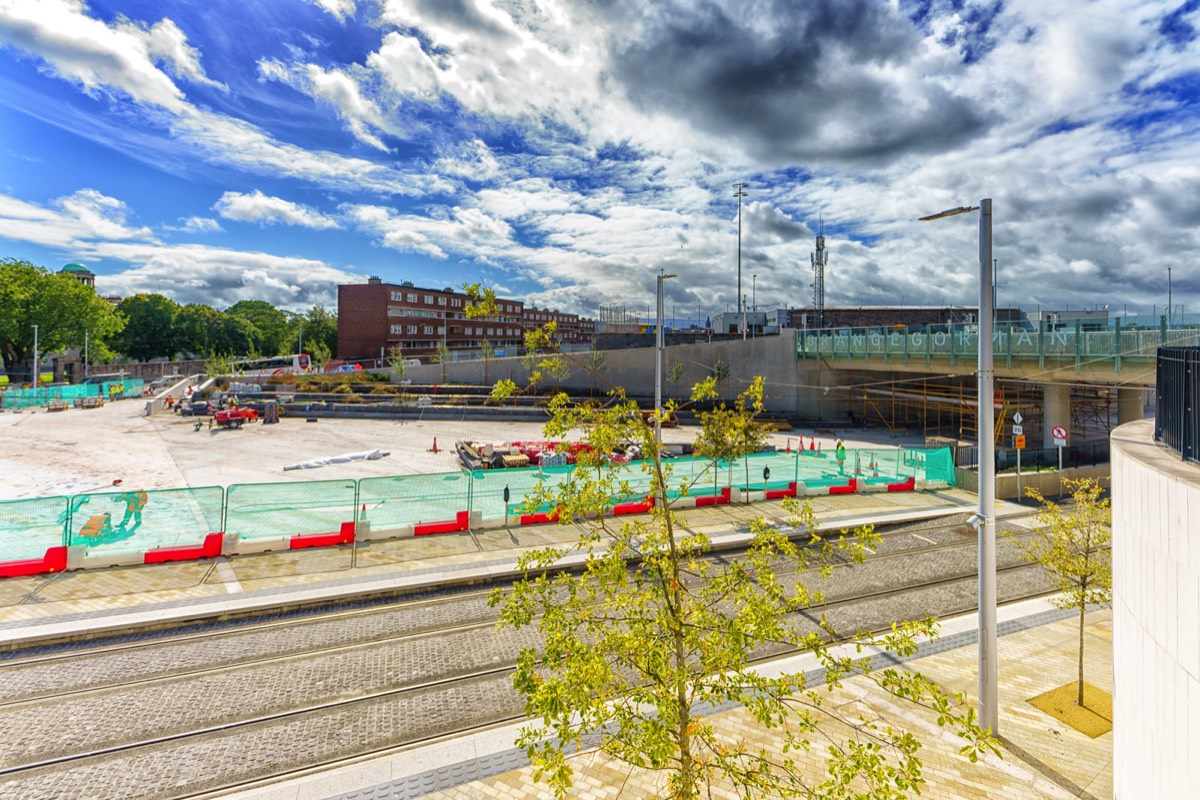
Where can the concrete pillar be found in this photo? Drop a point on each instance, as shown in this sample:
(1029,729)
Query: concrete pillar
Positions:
(1056,410)
(1130,405)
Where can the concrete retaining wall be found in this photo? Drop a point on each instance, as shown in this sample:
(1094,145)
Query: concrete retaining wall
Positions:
(1046,482)
(1156,618)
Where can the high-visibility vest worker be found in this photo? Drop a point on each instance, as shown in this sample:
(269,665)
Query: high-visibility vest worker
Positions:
(97,525)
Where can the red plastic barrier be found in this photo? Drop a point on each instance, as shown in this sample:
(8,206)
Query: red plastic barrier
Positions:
(461,522)
(541,518)
(210,549)
(850,488)
(715,499)
(343,536)
(779,494)
(55,560)
(634,508)
(905,486)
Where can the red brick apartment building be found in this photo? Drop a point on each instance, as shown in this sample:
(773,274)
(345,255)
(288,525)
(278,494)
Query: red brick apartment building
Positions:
(374,317)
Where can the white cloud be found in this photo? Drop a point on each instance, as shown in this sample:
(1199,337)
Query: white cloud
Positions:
(338,8)
(219,277)
(81,217)
(337,88)
(261,208)
(164,41)
(458,230)
(100,56)
(200,225)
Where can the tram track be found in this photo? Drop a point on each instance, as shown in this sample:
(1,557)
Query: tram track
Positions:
(149,753)
(390,623)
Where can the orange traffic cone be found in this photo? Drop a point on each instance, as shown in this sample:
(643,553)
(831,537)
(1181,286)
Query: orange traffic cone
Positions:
(434,448)
(789,445)
(812,443)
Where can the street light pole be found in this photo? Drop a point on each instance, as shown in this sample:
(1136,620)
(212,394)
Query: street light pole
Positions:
(37,378)
(1170,300)
(739,194)
(658,354)
(984,519)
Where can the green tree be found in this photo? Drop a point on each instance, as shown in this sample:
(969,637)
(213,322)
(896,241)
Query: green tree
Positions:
(64,309)
(193,328)
(442,356)
(676,372)
(317,325)
(397,361)
(650,631)
(728,434)
(233,334)
(720,371)
(149,329)
(269,321)
(1074,547)
(486,354)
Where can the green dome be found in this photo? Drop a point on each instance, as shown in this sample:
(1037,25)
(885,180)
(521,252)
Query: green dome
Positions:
(74,268)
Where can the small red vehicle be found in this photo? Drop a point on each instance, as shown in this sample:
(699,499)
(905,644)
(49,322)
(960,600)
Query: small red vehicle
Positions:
(234,417)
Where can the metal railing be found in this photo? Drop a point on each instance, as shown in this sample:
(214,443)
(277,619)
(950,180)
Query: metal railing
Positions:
(1177,392)
(1087,454)
(1108,347)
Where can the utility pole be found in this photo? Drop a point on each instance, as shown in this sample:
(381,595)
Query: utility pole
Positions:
(739,194)
(37,378)
(1170,300)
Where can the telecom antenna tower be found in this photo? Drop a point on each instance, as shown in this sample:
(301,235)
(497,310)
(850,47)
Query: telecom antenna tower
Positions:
(819,260)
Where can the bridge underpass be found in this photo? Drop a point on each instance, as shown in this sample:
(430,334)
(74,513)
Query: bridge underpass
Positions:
(1084,380)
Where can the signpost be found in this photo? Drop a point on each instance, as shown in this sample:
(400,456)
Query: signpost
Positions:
(1060,441)
(1019,444)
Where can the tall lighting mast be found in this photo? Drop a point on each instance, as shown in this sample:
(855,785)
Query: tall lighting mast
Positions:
(819,260)
(739,193)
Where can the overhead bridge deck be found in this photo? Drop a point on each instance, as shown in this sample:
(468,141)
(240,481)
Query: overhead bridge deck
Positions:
(1119,355)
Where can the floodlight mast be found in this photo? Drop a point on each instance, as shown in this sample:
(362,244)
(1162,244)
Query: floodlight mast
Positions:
(985,520)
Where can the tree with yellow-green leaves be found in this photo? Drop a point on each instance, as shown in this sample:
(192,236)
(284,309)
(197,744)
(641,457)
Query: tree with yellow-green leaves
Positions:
(1073,545)
(650,630)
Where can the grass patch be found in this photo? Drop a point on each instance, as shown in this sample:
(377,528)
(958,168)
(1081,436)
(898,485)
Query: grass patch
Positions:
(1093,718)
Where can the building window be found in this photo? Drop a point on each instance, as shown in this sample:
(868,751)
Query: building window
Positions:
(441,301)
(428,299)
(411,330)
(395,297)
(397,329)
(427,330)
(441,330)
(410,297)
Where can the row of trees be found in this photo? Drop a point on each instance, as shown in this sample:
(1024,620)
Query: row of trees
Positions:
(66,312)
(158,327)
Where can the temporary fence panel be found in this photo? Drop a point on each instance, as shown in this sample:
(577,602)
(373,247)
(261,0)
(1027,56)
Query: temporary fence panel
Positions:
(488,490)
(30,527)
(137,520)
(937,464)
(415,500)
(18,399)
(285,510)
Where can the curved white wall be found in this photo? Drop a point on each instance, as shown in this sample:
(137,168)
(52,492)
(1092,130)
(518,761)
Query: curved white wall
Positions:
(1156,609)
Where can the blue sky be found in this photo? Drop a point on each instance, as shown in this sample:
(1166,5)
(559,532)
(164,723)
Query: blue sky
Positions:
(564,152)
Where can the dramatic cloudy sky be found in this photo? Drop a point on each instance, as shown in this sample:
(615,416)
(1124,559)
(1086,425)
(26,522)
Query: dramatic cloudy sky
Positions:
(566,150)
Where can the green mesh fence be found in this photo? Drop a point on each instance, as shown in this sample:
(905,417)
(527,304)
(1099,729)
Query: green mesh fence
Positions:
(413,499)
(28,528)
(145,520)
(487,489)
(136,520)
(31,398)
(266,510)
